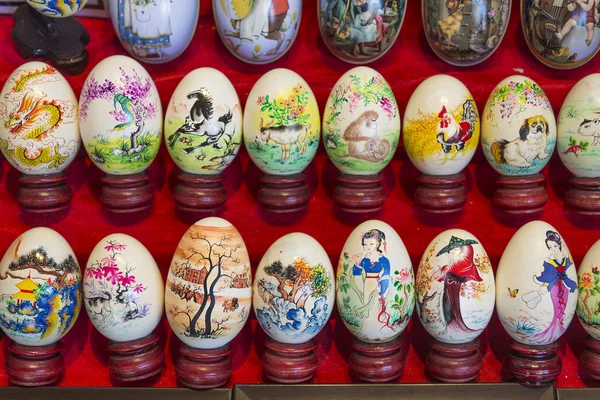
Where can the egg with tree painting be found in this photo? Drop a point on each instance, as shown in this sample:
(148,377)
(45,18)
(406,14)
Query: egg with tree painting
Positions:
(589,291)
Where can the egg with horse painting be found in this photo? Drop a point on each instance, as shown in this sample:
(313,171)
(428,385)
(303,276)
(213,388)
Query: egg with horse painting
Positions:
(40,283)
(375,283)
(589,291)
(536,285)
(455,287)
(123,290)
(57,8)
(281,123)
(294,289)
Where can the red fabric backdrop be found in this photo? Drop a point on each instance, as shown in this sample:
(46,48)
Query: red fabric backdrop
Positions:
(408,62)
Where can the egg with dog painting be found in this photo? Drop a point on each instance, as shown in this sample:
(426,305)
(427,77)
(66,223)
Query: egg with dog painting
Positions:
(281,123)
(518,129)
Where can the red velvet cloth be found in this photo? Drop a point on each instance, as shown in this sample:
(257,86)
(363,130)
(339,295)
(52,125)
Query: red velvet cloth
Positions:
(408,62)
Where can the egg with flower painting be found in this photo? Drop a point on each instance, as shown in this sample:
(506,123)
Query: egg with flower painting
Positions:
(441,126)
(123,290)
(536,285)
(57,8)
(208,293)
(455,287)
(294,289)
(361,122)
(40,286)
(281,123)
(375,288)
(589,291)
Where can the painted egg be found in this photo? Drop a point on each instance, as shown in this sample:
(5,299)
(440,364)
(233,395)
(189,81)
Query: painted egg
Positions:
(281,123)
(208,294)
(360,32)
(589,291)
(123,290)
(561,34)
(203,124)
(39,133)
(375,283)
(40,283)
(361,122)
(455,287)
(518,129)
(57,8)
(258,31)
(441,126)
(465,33)
(536,285)
(578,138)
(294,289)
(155,31)
(120,116)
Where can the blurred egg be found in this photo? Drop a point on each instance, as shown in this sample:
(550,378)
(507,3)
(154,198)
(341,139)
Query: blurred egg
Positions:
(362,34)
(578,138)
(40,129)
(375,283)
(257,32)
(294,289)
(40,287)
(560,37)
(208,294)
(57,8)
(281,123)
(123,290)
(465,33)
(155,31)
(518,130)
(361,122)
(120,116)
(441,126)
(203,123)
(589,291)
(455,287)
(536,285)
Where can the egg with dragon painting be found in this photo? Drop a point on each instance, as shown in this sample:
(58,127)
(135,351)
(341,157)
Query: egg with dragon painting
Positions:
(120,116)
(40,283)
(57,8)
(39,133)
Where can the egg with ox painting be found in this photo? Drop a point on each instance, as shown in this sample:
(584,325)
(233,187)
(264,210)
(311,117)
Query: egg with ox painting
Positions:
(123,290)
(39,131)
(589,291)
(455,287)
(40,283)
(375,283)
(57,8)
(536,285)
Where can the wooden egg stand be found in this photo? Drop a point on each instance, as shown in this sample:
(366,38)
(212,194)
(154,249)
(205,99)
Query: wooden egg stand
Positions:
(136,360)
(289,363)
(357,194)
(583,197)
(520,195)
(378,362)
(533,365)
(129,193)
(454,362)
(283,193)
(203,368)
(441,194)
(590,358)
(44,193)
(199,192)
(33,366)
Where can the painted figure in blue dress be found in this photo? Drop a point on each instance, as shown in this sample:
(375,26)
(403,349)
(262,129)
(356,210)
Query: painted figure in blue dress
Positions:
(145,26)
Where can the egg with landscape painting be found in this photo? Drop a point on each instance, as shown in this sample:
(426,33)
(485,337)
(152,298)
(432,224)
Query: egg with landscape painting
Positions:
(536,285)
(589,291)
(40,286)
(375,287)
(57,8)
(294,289)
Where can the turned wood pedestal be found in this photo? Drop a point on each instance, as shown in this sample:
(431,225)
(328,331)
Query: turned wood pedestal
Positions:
(136,360)
(520,195)
(377,362)
(203,368)
(584,196)
(454,363)
(590,358)
(533,365)
(199,193)
(127,193)
(359,193)
(283,193)
(289,363)
(44,193)
(34,365)
(441,194)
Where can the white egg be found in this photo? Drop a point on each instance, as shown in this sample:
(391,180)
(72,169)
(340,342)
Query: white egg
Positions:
(518,130)
(536,285)
(375,283)
(123,290)
(40,288)
(294,289)
(203,123)
(455,287)
(589,291)
(120,116)
(441,126)
(39,133)
(361,122)
(208,293)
